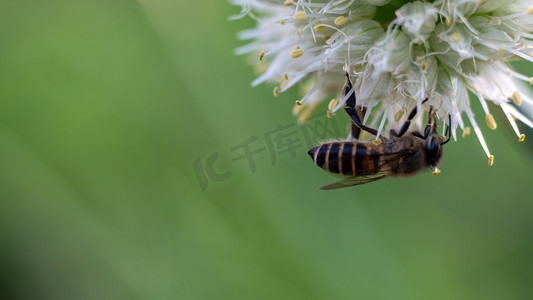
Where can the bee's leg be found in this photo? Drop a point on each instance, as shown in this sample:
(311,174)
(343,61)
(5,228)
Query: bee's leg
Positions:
(356,130)
(352,111)
(407,123)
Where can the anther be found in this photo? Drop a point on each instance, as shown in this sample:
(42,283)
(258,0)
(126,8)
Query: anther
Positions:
(285,76)
(276,91)
(530,10)
(330,114)
(424,66)
(298,102)
(299,30)
(436,172)
(319,28)
(517,98)
(491,160)
(282,22)
(261,55)
(332,104)
(466,132)
(296,53)
(522,138)
(398,115)
(490,121)
(288,3)
(340,20)
(376,142)
(299,15)
(531,81)
(448,21)
(327,37)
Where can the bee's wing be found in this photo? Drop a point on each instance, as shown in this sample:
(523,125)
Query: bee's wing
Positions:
(351,181)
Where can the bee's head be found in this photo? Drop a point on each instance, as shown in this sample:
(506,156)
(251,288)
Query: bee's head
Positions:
(433,149)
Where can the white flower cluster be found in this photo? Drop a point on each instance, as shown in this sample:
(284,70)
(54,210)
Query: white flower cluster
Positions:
(398,53)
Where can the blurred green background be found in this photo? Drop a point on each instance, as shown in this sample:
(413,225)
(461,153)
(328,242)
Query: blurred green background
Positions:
(105,108)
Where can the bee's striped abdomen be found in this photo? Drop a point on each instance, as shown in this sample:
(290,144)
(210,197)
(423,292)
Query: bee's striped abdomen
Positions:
(347,158)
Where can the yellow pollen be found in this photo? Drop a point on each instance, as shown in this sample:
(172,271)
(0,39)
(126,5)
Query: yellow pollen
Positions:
(490,121)
(491,160)
(531,81)
(436,172)
(298,102)
(296,53)
(398,115)
(376,142)
(299,15)
(285,76)
(340,20)
(530,10)
(297,109)
(517,98)
(282,22)
(424,66)
(448,22)
(261,55)
(466,132)
(288,3)
(276,91)
(330,114)
(319,28)
(522,138)
(332,104)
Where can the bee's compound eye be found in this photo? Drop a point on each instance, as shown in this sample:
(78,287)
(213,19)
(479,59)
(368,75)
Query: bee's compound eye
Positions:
(432,146)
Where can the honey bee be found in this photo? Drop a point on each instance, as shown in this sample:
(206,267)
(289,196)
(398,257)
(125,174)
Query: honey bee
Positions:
(403,154)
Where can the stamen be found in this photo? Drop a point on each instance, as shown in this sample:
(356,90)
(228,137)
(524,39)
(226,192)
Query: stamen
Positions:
(332,104)
(522,138)
(436,172)
(398,115)
(340,20)
(330,114)
(261,55)
(299,15)
(478,132)
(531,81)
(530,10)
(466,132)
(491,160)
(288,3)
(319,28)
(286,76)
(490,122)
(282,22)
(298,102)
(517,98)
(424,66)
(376,142)
(276,91)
